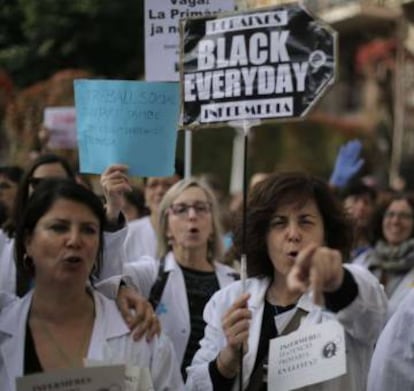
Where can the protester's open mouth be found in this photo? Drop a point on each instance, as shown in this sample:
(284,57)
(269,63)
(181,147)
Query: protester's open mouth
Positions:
(293,254)
(73,259)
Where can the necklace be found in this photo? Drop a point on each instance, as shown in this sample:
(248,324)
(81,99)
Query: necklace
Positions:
(71,361)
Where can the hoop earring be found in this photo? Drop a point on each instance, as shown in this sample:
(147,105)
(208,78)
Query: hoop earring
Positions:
(170,241)
(94,270)
(27,263)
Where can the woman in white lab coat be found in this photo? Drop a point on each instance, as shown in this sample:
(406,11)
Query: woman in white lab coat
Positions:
(114,182)
(190,245)
(62,320)
(297,238)
(392,365)
(392,257)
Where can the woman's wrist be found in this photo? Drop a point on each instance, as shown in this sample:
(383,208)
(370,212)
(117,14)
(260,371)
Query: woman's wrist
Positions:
(227,369)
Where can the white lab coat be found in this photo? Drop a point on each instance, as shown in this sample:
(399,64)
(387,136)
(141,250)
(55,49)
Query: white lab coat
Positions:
(392,365)
(6,298)
(141,239)
(173,310)
(114,257)
(398,285)
(363,259)
(110,341)
(7,265)
(363,320)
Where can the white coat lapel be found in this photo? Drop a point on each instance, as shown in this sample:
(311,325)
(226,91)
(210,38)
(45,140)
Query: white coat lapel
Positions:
(177,291)
(108,324)
(224,275)
(257,288)
(12,337)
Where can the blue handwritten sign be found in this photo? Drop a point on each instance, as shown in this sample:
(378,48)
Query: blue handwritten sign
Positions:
(128,122)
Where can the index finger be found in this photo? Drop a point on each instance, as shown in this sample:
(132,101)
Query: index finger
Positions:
(304,258)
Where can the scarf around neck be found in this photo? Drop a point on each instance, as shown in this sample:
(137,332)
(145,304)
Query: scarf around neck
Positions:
(396,259)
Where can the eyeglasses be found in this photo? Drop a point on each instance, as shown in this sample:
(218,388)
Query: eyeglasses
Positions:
(181,209)
(399,215)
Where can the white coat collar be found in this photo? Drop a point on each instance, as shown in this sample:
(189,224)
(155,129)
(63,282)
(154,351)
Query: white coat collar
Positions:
(221,269)
(170,262)
(108,324)
(12,337)
(260,286)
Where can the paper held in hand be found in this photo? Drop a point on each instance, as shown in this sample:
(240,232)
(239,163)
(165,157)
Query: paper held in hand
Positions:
(307,356)
(80,379)
(98,376)
(136,378)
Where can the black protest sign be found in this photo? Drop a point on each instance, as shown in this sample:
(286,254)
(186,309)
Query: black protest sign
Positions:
(262,64)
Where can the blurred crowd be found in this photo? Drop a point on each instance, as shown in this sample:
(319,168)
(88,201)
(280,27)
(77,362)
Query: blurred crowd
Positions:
(151,275)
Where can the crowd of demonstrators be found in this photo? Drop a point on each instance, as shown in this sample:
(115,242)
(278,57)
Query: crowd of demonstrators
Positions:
(306,240)
(141,237)
(62,320)
(383,229)
(297,239)
(187,271)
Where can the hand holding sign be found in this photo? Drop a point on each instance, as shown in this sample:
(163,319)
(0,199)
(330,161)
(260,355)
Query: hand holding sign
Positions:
(235,323)
(317,268)
(115,184)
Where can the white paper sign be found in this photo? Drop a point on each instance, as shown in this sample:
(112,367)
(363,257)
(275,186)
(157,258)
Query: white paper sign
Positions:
(162,37)
(136,379)
(110,378)
(312,354)
(61,124)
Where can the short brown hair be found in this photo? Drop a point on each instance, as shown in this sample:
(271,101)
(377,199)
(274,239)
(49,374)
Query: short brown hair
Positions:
(281,189)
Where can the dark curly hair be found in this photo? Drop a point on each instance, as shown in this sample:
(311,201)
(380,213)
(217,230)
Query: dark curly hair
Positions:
(282,189)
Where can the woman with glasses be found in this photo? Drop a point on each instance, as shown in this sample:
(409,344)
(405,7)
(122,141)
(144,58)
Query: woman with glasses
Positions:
(187,272)
(392,259)
(297,238)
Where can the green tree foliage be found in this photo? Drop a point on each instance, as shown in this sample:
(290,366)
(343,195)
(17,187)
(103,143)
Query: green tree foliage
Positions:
(38,38)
